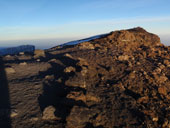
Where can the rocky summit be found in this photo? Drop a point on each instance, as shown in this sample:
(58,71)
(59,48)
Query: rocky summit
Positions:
(119,80)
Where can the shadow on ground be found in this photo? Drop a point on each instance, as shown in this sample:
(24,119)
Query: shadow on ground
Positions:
(55,91)
(5,121)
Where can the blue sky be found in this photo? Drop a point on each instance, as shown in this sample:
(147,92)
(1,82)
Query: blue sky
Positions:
(38,20)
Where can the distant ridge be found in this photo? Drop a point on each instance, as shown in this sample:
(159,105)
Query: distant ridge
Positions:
(16,50)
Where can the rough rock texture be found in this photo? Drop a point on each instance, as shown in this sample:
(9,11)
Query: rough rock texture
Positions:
(48,113)
(39,53)
(9,70)
(121,80)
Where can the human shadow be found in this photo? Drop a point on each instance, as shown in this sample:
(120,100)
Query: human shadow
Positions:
(5,120)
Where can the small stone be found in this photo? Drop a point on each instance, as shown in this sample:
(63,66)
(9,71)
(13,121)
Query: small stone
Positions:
(48,113)
(138,63)
(84,71)
(8,56)
(92,98)
(166,124)
(49,77)
(69,69)
(68,55)
(161,66)
(143,99)
(34,119)
(55,61)
(158,70)
(162,90)
(166,62)
(130,64)
(37,86)
(59,80)
(112,69)
(123,58)
(97,45)
(21,53)
(52,61)
(145,73)
(13,114)
(39,53)
(160,79)
(132,75)
(9,70)
(82,62)
(38,60)
(23,64)
(155,119)
(120,87)
(86,45)
(132,58)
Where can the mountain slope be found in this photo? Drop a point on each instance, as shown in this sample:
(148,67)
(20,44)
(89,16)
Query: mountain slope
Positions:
(83,40)
(121,80)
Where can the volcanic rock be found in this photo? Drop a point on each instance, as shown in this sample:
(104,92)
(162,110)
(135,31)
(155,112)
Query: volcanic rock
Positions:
(9,70)
(69,69)
(48,113)
(118,80)
(39,53)
(23,64)
(86,45)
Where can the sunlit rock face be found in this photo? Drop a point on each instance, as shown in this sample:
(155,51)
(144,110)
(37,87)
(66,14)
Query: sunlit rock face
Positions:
(16,50)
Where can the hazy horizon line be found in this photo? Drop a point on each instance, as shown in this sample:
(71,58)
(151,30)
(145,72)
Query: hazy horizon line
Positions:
(86,28)
(52,42)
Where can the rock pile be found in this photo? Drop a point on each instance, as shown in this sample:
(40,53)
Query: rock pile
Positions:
(121,80)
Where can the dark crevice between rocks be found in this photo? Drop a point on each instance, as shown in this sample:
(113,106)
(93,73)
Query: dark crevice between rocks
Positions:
(90,125)
(132,94)
(105,67)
